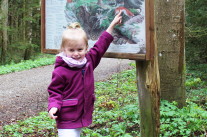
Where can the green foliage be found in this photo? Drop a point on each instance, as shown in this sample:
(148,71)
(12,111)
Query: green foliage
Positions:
(117,112)
(83,2)
(188,121)
(193,82)
(134,11)
(196,84)
(26,64)
(40,125)
(196,76)
(196,31)
(196,12)
(109,17)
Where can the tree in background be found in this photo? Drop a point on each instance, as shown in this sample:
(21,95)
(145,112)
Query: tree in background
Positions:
(196,31)
(3,24)
(170,24)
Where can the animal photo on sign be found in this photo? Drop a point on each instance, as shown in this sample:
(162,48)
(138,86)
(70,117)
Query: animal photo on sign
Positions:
(96,15)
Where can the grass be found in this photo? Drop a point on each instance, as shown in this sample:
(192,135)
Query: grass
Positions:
(116,111)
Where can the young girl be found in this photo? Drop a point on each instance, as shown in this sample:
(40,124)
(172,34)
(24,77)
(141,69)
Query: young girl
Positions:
(71,92)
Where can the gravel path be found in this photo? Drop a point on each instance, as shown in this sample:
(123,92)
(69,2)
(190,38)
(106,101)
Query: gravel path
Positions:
(24,93)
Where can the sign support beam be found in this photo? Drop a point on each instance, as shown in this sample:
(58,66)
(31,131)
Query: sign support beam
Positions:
(148,79)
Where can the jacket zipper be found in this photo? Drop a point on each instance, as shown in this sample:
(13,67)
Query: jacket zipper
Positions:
(68,99)
(83,71)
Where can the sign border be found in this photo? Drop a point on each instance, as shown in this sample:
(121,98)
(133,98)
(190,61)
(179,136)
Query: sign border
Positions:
(149,24)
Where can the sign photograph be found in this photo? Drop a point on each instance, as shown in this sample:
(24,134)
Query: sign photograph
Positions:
(95,16)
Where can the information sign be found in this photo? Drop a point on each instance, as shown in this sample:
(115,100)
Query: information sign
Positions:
(132,39)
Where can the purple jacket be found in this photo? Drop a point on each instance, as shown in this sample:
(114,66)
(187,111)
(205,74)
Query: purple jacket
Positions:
(72,89)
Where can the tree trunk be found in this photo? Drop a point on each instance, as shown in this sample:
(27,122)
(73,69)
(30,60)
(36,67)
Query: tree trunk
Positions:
(25,50)
(12,34)
(170,21)
(17,36)
(28,50)
(4,18)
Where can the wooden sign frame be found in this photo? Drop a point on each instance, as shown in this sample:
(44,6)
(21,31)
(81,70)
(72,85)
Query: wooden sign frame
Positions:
(149,23)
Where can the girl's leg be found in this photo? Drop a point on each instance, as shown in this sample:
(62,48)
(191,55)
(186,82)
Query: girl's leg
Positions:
(69,132)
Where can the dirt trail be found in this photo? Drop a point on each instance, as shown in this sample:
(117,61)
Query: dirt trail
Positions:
(24,93)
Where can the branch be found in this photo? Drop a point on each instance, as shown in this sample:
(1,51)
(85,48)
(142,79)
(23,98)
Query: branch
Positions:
(204,130)
(192,33)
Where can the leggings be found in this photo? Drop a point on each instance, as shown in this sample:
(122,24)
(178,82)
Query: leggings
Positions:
(69,132)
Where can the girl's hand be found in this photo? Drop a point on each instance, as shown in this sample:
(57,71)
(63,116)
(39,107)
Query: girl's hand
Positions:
(117,20)
(52,111)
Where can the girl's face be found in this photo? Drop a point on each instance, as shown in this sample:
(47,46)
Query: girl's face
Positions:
(78,52)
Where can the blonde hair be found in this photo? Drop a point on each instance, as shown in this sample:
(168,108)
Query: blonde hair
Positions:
(73,35)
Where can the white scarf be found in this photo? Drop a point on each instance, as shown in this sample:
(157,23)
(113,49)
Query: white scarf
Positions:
(72,62)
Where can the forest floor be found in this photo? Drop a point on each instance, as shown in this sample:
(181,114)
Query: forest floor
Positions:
(24,94)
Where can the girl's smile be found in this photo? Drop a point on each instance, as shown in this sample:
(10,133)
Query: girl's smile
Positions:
(78,52)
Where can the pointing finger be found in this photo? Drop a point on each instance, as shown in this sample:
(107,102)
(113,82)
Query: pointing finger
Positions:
(120,13)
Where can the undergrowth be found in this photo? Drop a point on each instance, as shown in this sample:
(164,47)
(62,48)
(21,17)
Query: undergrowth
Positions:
(196,84)
(41,60)
(116,111)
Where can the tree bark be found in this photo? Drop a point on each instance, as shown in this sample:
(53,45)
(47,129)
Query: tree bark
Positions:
(28,50)
(4,18)
(11,39)
(170,22)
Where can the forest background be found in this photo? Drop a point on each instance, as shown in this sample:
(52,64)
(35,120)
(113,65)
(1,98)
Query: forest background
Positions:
(20,31)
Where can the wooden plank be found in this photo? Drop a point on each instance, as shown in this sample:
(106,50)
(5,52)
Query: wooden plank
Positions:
(51,51)
(152,31)
(147,23)
(42,26)
(149,18)
(130,56)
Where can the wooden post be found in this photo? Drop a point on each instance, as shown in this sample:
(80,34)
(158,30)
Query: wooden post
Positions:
(148,79)
(149,97)
(42,26)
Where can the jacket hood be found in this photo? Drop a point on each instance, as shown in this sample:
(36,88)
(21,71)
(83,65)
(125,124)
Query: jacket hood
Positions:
(60,62)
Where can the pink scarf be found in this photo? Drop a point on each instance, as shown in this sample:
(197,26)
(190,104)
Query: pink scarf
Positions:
(72,62)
